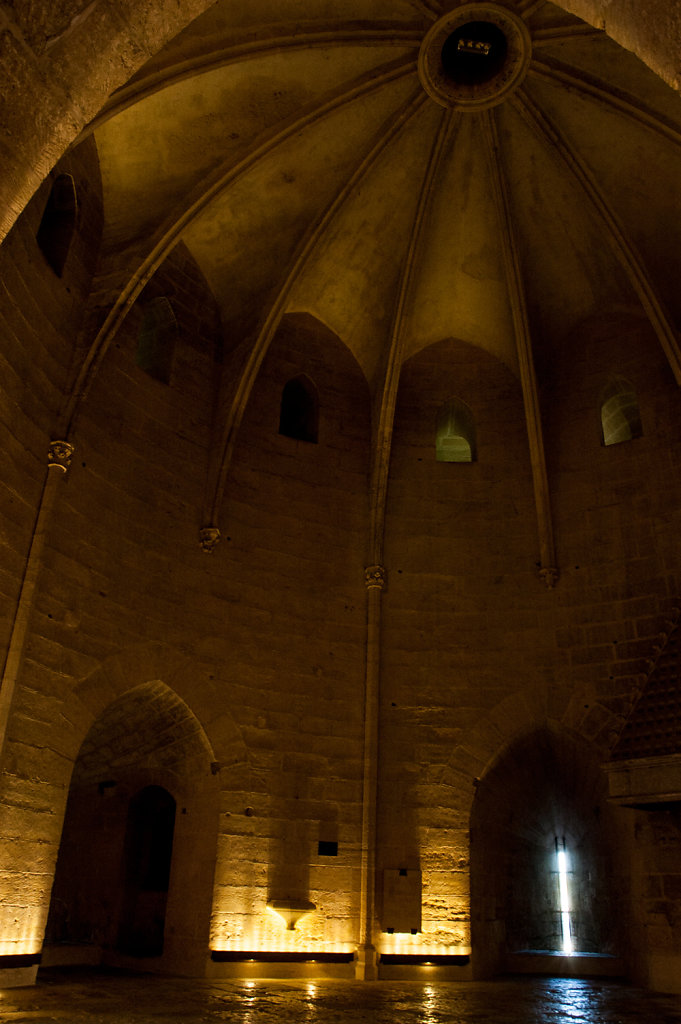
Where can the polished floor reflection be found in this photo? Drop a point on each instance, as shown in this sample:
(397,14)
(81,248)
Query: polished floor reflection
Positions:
(102,998)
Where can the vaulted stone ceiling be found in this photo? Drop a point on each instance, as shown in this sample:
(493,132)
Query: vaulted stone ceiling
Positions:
(325,160)
(297,151)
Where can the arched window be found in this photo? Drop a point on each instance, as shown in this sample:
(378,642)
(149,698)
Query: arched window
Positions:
(620,416)
(58,224)
(156,340)
(455,437)
(299,416)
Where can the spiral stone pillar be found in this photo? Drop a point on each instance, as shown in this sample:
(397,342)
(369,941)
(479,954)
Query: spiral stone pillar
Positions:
(366,966)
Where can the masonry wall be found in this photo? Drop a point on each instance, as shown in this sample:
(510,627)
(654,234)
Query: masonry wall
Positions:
(616,518)
(476,653)
(655,837)
(40,317)
(462,621)
(85,606)
(263,640)
(295,519)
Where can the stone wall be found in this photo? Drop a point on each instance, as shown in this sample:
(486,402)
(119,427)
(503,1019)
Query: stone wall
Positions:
(40,316)
(269,628)
(656,847)
(463,616)
(263,641)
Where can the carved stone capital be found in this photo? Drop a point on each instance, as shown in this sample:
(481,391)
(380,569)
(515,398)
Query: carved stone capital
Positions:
(59,454)
(375,576)
(209,537)
(549,574)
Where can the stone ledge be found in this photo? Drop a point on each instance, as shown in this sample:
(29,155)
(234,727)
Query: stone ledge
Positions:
(645,780)
(578,965)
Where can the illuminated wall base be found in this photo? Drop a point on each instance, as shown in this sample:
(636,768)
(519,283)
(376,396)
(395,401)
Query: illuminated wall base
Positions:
(258,964)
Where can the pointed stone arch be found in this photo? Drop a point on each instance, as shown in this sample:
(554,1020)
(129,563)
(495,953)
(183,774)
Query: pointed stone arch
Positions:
(144,663)
(144,736)
(156,681)
(545,793)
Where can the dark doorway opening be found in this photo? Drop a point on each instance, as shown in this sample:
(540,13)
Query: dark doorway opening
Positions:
(147,857)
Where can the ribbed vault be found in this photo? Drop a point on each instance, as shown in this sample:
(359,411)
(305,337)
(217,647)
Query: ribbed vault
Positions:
(307,169)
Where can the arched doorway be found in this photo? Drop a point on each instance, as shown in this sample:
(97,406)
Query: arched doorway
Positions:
(134,876)
(545,878)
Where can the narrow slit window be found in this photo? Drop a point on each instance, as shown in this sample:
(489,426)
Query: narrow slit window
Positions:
(564,897)
(620,415)
(299,413)
(58,223)
(157,339)
(455,436)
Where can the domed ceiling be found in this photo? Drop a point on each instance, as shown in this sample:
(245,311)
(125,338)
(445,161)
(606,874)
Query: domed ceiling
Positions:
(404,170)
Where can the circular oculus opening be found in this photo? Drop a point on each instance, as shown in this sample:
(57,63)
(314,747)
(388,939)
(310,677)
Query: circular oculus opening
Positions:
(474,53)
(475,56)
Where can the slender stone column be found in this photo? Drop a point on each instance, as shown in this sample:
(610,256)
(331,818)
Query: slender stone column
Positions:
(58,461)
(25,910)
(366,966)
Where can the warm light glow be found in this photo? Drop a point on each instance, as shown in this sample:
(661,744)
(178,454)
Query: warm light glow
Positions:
(425,943)
(564,902)
(242,921)
(251,1005)
(429,1012)
(22,932)
(291,911)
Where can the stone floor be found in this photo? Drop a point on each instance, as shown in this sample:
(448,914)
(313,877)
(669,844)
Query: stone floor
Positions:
(98,998)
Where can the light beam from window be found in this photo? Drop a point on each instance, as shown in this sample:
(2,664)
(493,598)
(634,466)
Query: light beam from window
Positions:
(565,923)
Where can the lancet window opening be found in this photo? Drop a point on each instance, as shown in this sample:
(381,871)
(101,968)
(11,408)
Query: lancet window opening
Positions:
(58,223)
(620,414)
(157,339)
(299,411)
(455,439)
